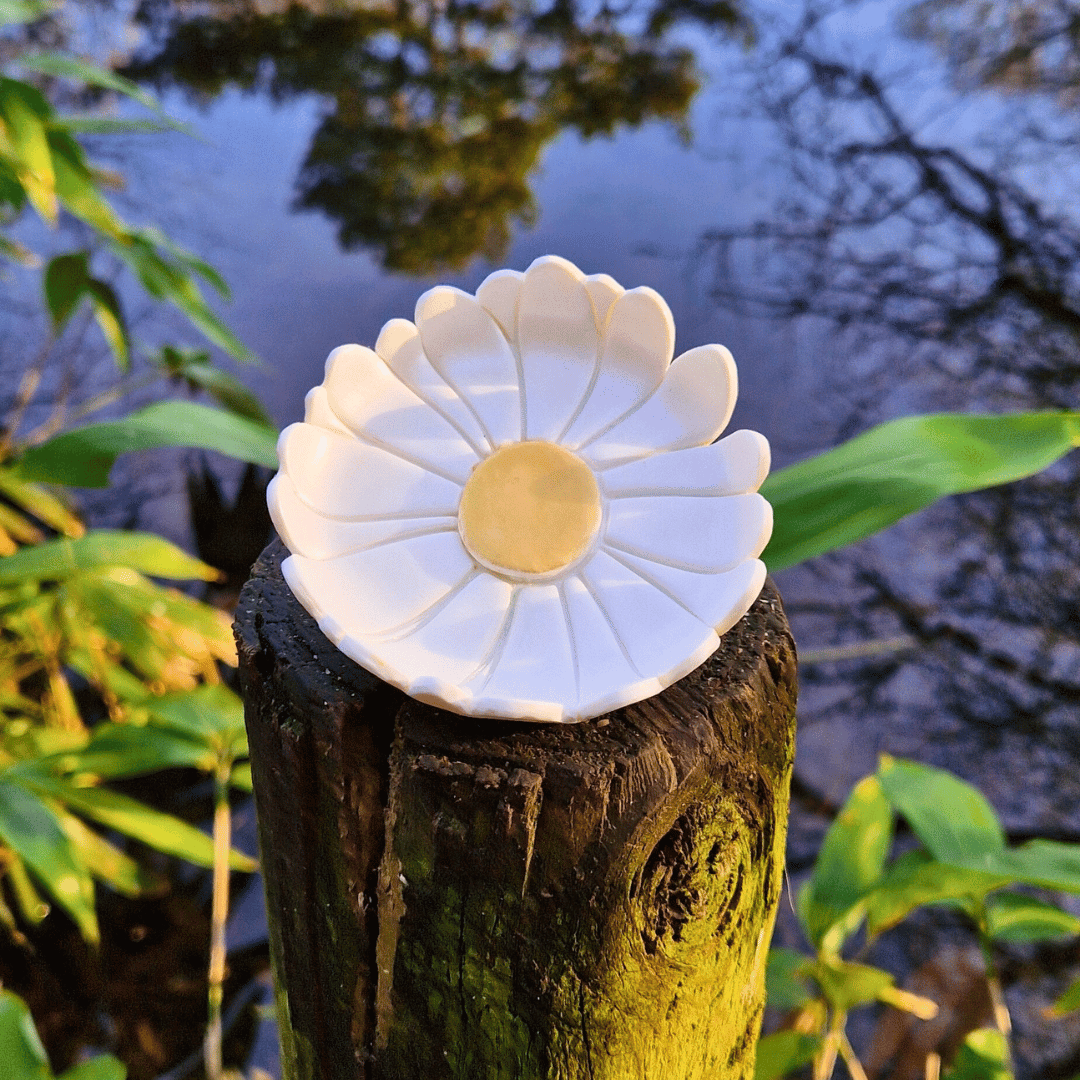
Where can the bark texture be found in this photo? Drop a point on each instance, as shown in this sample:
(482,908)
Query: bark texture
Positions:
(485,900)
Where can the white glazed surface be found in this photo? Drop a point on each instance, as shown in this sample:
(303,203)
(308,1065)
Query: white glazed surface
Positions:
(367,496)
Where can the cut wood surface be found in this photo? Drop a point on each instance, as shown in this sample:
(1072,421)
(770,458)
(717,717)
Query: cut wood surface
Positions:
(488,900)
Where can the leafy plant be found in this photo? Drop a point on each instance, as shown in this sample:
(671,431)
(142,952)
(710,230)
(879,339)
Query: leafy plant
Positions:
(963,861)
(23,1055)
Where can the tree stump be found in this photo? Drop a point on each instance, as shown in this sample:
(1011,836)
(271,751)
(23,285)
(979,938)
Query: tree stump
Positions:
(488,900)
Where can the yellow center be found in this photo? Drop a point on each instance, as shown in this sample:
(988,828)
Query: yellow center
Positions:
(530,508)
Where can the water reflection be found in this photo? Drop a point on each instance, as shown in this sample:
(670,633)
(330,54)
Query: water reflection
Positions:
(937,240)
(436,113)
(1024,45)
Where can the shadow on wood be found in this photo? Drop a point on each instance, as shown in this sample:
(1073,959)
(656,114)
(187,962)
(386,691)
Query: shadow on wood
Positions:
(488,900)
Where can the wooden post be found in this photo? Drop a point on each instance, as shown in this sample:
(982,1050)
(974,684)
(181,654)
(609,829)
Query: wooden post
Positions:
(487,900)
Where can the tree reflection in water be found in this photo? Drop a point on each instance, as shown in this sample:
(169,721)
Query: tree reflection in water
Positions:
(436,113)
(943,256)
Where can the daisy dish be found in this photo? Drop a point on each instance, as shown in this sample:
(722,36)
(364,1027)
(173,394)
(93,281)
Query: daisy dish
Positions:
(515,506)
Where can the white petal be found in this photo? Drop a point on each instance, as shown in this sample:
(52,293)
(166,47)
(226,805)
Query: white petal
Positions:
(375,404)
(432,661)
(663,640)
(498,295)
(531,674)
(691,408)
(603,291)
(467,348)
(606,678)
(736,464)
(400,346)
(341,477)
(720,600)
(317,411)
(380,589)
(558,341)
(309,533)
(706,535)
(636,350)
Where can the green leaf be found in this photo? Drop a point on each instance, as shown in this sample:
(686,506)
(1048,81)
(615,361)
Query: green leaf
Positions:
(212,714)
(103,1067)
(1014,917)
(1046,864)
(851,859)
(240,777)
(23,11)
(875,479)
(108,125)
(163,832)
(24,141)
(65,66)
(32,830)
(846,985)
(59,559)
(65,282)
(949,816)
(77,188)
(783,1053)
(785,982)
(16,252)
(228,391)
(109,863)
(116,751)
(21,1051)
(1068,1002)
(983,1055)
(84,456)
(915,879)
(40,503)
(169,279)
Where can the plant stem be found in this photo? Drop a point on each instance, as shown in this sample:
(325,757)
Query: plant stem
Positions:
(993,982)
(219,912)
(825,1062)
(851,1060)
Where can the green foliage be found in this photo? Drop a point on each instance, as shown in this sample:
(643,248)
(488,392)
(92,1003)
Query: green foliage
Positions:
(84,457)
(23,1055)
(964,862)
(879,477)
(82,620)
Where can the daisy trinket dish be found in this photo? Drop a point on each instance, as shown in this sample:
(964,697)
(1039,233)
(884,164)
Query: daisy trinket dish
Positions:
(515,506)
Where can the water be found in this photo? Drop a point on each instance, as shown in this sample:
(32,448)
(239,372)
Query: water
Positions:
(899,218)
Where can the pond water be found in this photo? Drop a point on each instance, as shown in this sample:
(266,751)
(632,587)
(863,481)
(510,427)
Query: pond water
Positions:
(872,204)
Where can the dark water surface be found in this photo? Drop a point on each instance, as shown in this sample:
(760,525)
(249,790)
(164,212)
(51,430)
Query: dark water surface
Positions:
(873,205)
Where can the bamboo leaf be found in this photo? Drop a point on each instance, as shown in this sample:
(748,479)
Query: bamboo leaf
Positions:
(1046,864)
(109,863)
(875,479)
(25,115)
(65,281)
(60,559)
(32,830)
(212,714)
(40,503)
(1068,1002)
(84,456)
(197,370)
(117,751)
(76,187)
(949,816)
(23,11)
(103,1067)
(21,1051)
(65,66)
(163,832)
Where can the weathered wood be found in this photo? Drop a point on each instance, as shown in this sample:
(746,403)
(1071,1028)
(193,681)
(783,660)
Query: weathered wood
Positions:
(484,900)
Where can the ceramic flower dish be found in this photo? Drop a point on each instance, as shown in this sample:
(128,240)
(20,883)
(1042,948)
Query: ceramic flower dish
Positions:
(514,506)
